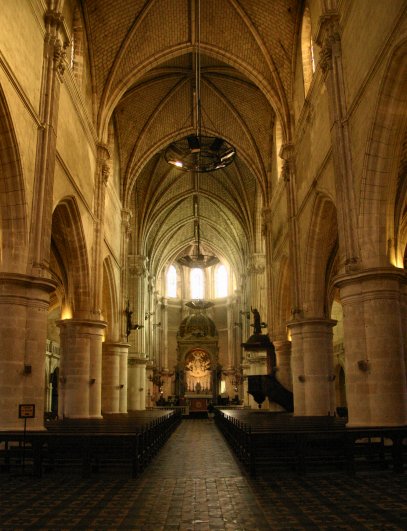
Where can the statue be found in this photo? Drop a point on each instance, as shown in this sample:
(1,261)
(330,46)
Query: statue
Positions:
(258,324)
(129,324)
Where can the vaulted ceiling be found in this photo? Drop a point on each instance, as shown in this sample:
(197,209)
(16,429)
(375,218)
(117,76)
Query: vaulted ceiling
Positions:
(143,55)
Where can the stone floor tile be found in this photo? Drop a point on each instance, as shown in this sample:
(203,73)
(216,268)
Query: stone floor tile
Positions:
(196,484)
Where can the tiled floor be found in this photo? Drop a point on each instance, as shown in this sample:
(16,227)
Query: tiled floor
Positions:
(195,483)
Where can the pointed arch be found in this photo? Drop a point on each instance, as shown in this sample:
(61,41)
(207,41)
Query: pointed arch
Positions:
(13,206)
(379,187)
(70,250)
(321,248)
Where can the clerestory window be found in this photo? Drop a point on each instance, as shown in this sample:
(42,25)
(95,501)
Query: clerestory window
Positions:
(197,284)
(221,281)
(171,282)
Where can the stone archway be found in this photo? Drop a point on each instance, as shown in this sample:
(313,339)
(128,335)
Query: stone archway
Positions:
(13,207)
(379,186)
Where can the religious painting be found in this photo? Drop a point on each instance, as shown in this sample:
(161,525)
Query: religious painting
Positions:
(198,372)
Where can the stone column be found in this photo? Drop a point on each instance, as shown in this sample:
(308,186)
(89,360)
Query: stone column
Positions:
(267,230)
(230,309)
(374,323)
(312,366)
(125,291)
(283,362)
(123,377)
(81,368)
(136,383)
(289,176)
(101,179)
(52,74)
(329,40)
(114,377)
(257,277)
(164,332)
(24,302)
(136,288)
(297,369)
(137,269)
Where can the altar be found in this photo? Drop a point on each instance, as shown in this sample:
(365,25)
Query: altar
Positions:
(198,402)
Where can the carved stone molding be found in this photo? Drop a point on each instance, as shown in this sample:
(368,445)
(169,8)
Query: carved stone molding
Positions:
(328,38)
(137,265)
(257,264)
(287,152)
(103,155)
(60,56)
(126,218)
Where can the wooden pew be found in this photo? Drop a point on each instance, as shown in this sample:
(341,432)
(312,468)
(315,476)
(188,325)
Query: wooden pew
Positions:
(90,445)
(277,441)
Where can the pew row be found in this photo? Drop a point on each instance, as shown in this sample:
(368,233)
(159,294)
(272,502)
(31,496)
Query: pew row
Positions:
(128,442)
(270,442)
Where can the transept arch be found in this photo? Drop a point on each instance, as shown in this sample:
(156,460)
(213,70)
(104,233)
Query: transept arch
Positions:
(70,245)
(379,184)
(13,206)
(321,243)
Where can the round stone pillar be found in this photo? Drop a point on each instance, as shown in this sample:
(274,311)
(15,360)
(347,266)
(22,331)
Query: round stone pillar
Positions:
(297,368)
(136,395)
(81,368)
(114,377)
(312,366)
(374,325)
(24,302)
(283,362)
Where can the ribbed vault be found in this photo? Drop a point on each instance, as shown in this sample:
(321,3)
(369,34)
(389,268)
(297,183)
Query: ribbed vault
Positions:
(145,84)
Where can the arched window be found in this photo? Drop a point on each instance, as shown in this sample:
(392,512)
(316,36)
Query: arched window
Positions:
(278,138)
(171,282)
(196,280)
(77,46)
(307,49)
(221,281)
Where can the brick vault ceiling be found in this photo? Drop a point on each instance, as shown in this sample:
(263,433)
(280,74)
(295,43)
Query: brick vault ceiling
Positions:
(143,72)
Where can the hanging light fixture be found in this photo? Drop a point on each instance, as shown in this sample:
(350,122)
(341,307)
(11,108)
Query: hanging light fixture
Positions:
(197,259)
(197,152)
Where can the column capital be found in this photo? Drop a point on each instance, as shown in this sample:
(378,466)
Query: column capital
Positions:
(257,264)
(27,290)
(60,56)
(311,322)
(138,265)
(126,218)
(328,38)
(379,277)
(103,152)
(103,155)
(287,151)
(86,326)
(133,361)
(116,344)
